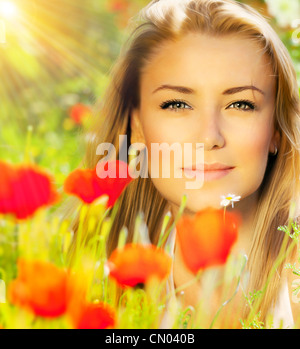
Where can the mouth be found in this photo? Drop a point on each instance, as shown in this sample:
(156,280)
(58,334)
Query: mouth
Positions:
(208,172)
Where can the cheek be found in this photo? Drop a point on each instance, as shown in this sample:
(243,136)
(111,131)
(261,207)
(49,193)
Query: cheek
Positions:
(161,132)
(170,183)
(251,151)
(254,147)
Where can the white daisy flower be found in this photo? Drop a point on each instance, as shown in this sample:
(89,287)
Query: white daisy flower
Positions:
(229,199)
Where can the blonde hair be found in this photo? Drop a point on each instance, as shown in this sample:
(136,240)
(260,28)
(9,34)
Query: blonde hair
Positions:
(164,20)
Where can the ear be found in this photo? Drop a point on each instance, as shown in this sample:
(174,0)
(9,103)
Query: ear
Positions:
(275,142)
(137,134)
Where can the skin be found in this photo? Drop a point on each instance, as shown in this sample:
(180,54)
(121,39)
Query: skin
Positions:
(231,135)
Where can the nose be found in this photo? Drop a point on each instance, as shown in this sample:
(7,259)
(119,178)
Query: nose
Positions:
(210,132)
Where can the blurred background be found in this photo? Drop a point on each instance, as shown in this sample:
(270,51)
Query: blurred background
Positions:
(55,56)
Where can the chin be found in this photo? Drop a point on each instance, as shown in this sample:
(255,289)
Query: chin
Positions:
(198,203)
(194,207)
(203,199)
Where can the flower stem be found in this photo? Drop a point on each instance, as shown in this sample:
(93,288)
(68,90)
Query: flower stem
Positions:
(28,144)
(189,283)
(180,212)
(234,293)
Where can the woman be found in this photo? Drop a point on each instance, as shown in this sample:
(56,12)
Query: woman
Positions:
(210,72)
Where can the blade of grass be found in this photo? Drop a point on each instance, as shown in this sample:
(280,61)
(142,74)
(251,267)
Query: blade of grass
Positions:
(179,214)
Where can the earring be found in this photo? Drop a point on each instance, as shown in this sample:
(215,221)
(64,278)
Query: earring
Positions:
(275,152)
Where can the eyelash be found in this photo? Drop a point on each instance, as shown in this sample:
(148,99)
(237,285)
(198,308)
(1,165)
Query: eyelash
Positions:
(167,104)
(250,104)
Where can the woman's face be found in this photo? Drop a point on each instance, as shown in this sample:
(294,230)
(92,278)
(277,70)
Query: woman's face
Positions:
(216,91)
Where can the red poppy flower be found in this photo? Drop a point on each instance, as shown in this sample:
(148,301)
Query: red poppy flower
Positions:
(83,314)
(88,186)
(206,239)
(41,287)
(24,189)
(119,5)
(96,316)
(78,112)
(136,264)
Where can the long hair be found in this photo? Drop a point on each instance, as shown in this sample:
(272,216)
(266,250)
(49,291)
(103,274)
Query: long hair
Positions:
(165,20)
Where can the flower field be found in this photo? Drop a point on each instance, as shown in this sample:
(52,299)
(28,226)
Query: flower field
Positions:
(55,62)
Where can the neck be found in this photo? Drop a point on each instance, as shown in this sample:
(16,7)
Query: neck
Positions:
(247,209)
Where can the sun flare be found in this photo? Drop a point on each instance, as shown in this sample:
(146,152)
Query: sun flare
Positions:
(8,9)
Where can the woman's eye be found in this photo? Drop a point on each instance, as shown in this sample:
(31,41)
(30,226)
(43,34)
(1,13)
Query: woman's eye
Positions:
(175,105)
(243,105)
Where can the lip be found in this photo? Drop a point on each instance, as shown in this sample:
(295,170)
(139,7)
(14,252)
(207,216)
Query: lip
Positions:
(209,172)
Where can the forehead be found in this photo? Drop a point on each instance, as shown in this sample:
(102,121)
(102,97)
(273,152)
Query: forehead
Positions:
(201,61)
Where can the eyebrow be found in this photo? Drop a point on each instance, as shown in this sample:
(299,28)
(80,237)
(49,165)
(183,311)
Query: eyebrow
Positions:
(234,90)
(180,89)
(187,90)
